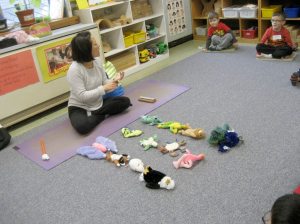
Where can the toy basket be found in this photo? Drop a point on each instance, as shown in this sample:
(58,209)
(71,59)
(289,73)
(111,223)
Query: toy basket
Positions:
(232,11)
(139,37)
(292,11)
(201,30)
(128,40)
(268,11)
(249,34)
(248,12)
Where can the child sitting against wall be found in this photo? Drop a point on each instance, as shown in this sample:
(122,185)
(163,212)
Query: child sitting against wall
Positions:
(276,41)
(219,35)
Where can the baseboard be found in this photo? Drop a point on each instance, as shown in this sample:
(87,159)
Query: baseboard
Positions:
(180,40)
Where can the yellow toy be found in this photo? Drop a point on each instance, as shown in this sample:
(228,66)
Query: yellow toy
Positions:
(144,55)
(196,133)
(174,126)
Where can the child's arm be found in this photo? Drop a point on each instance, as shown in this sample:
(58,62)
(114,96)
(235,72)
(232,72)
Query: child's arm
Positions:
(234,40)
(208,42)
(209,35)
(266,36)
(287,38)
(227,29)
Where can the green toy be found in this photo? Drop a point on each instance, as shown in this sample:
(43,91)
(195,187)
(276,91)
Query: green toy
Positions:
(151,120)
(218,134)
(149,142)
(161,48)
(127,133)
(173,126)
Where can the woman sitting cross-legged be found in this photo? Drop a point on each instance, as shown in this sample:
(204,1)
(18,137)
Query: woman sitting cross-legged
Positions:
(88,83)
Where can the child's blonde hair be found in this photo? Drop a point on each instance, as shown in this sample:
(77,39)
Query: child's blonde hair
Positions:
(212,15)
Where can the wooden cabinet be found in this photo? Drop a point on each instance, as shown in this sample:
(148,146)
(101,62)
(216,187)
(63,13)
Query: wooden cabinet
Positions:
(199,21)
(123,25)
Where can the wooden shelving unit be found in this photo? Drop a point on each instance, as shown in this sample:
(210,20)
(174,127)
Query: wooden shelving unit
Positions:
(239,24)
(115,35)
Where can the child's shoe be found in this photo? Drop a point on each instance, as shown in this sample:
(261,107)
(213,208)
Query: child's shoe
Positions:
(212,48)
(295,77)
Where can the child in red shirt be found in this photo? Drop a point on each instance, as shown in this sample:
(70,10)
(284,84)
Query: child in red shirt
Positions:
(276,41)
(219,35)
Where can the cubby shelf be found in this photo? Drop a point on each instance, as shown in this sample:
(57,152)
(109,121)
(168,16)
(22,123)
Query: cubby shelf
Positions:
(114,36)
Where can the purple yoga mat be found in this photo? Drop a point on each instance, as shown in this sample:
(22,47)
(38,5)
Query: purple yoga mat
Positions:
(62,141)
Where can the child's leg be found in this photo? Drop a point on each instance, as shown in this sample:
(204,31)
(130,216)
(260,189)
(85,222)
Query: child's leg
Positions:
(282,51)
(215,41)
(225,42)
(265,49)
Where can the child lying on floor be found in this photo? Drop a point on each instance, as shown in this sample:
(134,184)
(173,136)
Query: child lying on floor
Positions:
(276,41)
(219,35)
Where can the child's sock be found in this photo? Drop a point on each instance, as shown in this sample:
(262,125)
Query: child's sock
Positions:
(267,55)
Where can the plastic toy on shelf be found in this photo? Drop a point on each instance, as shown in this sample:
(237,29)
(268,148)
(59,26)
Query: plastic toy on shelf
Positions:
(161,48)
(144,55)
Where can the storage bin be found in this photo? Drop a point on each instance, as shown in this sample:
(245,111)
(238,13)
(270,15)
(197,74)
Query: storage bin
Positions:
(128,40)
(201,30)
(292,11)
(268,11)
(249,34)
(139,37)
(248,12)
(232,11)
(123,60)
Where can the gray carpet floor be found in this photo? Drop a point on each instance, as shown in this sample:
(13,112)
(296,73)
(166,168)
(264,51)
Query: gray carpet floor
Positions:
(254,97)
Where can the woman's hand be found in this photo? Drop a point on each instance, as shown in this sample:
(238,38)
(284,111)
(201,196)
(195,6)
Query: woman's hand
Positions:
(119,77)
(110,86)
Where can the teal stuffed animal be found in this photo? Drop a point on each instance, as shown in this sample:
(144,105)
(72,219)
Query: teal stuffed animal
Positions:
(151,120)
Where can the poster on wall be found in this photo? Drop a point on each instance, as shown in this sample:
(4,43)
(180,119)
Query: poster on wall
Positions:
(17,71)
(54,59)
(176,17)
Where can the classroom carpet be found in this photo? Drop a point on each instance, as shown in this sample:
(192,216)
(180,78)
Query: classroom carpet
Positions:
(256,98)
(62,141)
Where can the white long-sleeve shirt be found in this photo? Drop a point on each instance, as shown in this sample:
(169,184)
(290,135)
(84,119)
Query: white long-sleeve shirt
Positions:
(86,85)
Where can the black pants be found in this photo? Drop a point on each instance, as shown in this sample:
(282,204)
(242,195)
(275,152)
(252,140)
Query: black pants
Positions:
(277,52)
(83,123)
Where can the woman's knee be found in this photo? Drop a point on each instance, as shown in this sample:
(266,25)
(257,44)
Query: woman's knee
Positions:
(82,128)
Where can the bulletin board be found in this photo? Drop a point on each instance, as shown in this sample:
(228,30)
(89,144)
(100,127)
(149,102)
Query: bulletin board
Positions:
(17,71)
(54,59)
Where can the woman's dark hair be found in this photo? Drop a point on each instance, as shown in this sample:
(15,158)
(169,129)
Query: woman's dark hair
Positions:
(81,46)
(286,210)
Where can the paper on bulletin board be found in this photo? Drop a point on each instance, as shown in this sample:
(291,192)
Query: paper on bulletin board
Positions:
(17,71)
(54,59)
(82,4)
